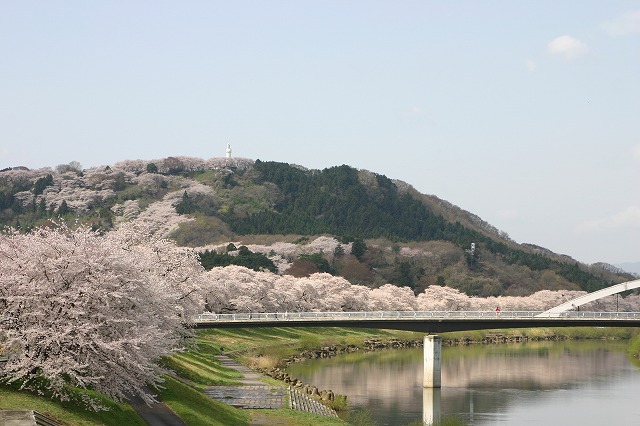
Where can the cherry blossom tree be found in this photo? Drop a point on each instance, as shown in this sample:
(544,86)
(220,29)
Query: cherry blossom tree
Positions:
(237,289)
(93,311)
(437,298)
(353,299)
(295,295)
(159,218)
(392,298)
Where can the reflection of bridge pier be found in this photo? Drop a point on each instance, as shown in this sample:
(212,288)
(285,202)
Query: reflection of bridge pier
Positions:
(430,405)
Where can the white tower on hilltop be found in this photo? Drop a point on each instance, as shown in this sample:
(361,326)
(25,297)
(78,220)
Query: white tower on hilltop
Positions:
(228,150)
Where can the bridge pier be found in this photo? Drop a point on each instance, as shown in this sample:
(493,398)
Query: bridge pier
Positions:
(432,367)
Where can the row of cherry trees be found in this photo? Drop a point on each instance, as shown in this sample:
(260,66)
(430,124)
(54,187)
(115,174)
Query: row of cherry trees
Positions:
(99,311)
(238,289)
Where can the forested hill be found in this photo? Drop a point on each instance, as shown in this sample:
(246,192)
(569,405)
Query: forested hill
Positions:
(335,201)
(391,232)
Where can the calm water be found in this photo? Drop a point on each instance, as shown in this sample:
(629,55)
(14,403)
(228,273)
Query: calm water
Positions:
(542,383)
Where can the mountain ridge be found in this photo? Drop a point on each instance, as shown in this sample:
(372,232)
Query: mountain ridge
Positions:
(631,267)
(230,199)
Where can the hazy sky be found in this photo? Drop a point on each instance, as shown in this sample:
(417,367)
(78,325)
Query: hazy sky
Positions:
(524,113)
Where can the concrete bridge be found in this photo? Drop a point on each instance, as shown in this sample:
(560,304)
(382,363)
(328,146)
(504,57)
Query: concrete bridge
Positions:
(422,321)
(438,322)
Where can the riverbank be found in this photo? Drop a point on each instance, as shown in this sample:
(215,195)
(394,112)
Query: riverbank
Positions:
(302,344)
(270,350)
(263,349)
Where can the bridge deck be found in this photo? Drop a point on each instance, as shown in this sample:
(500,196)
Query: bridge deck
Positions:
(430,322)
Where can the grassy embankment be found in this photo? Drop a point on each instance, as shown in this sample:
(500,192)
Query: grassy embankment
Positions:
(267,347)
(69,412)
(197,369)
(633,350)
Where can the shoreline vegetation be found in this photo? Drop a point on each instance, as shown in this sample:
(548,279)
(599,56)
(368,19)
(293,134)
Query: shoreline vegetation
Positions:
(269,351)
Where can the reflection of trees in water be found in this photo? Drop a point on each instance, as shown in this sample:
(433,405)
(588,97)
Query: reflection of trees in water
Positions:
(540,366)
(368,378)
(393,379)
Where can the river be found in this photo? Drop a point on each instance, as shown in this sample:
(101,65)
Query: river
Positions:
(537,383)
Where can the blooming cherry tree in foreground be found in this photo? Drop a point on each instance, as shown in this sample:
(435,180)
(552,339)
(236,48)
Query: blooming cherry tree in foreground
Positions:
(93,311)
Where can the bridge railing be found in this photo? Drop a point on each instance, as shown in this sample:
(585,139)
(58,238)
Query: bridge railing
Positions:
(408,315)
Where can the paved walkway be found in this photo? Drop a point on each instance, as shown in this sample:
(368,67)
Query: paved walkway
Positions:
(249,396)
(255,394)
